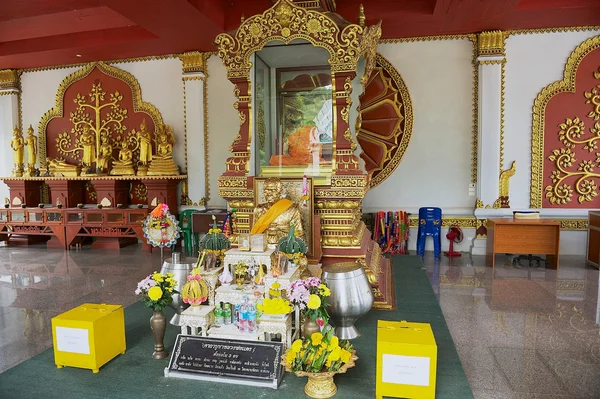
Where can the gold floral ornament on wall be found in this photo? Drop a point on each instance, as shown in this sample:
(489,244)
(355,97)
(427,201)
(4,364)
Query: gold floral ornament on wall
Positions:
(560,191)
(593,97)
(84,124)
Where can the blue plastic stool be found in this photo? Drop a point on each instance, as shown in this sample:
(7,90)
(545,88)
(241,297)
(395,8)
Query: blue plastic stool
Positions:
(430,224)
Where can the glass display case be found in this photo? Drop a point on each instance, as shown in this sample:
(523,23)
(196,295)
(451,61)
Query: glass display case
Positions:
(293,113)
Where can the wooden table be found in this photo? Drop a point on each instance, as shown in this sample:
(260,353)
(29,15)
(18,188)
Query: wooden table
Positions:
(524,237)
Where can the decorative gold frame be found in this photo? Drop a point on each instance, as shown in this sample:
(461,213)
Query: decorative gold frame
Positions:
(567,84)
(57,112)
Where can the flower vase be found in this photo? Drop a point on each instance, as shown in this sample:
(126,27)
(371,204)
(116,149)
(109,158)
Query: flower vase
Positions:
(309,327)
(320,385)
(158,324)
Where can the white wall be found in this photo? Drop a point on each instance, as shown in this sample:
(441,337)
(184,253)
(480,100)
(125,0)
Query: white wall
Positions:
(436,168)
(533,62)
(223,125)
(9,118)
(160,82)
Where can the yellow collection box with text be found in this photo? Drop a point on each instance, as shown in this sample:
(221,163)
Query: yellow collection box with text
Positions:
(406,360)
(88,336)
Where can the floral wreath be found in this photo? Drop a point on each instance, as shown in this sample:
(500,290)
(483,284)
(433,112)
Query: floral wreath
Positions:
(161,229)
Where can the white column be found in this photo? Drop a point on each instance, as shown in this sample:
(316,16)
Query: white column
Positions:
(489,125)
(194,80)
(9,119)
(491,57)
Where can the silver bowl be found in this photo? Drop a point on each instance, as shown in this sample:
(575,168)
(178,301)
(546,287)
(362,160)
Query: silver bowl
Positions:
(351,297)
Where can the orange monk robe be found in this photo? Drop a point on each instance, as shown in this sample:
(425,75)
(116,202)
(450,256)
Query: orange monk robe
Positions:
(273,213)
(299,149)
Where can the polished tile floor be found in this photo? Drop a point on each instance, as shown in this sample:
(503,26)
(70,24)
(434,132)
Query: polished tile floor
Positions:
(37,284)
(520,332)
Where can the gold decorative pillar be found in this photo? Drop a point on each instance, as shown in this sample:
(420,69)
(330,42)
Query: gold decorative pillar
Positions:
(10,98)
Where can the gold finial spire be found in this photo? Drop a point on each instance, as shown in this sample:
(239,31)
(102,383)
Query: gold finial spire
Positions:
(361,16)
(242,19)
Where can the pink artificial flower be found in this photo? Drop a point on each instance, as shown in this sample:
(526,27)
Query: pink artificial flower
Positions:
(320,322)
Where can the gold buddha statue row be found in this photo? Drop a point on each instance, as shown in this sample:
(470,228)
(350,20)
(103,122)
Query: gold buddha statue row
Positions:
(100,161)
(18,144)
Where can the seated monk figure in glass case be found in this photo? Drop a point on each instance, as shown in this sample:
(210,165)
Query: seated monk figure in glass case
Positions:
(304,148)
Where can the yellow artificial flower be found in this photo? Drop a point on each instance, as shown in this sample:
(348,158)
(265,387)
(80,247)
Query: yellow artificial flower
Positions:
(313,302)
(345,355)
(316,338)
(297,345)
(289,358)
(158,277)
(155,293)
(333,343)
(323,344)
(325,291)
(335,354)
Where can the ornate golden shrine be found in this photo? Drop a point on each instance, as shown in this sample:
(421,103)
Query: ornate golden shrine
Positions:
(100,119)
(337,199)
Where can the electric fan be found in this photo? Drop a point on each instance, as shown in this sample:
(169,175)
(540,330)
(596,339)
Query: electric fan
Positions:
(455,235)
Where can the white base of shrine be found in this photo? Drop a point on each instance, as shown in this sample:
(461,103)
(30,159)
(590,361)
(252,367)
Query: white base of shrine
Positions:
(227,380)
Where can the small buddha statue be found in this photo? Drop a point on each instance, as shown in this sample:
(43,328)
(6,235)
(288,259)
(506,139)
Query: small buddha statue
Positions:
(31,143)
(18,145)
(124,166)
(275,216)
(162,162)
(104,156)
(145,145)
(88,141)
(58,167)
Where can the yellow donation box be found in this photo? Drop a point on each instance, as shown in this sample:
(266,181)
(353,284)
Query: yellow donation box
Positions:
(406,360)
(88,336)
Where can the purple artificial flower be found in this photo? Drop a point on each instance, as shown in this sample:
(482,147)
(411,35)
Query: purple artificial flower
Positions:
(299,296)
(313,281)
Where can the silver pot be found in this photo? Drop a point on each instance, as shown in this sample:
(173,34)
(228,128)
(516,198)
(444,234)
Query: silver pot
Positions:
(180,269)
(351,297)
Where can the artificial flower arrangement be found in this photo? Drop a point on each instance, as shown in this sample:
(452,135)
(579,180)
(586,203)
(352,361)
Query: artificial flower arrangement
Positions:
(275,306)
(157,290)
(215,241)
(161,229)
(195,290)
(294,248)
(321,352)
(310,296)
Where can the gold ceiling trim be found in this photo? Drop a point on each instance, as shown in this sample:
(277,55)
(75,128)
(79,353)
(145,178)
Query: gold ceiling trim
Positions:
(286,22)
(425,38)
(57,112)
(567,84)
(118,61)
(584,28)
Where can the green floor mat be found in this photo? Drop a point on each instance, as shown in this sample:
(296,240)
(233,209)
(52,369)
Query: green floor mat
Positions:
(137,375)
